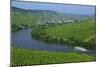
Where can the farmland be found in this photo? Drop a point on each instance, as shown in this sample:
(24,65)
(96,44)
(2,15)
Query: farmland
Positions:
(22,57)
(78,30)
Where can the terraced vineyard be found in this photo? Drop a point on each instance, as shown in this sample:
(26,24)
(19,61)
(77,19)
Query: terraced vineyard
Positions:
(22,57)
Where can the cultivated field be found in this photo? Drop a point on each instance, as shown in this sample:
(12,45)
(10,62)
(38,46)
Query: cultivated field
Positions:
(80,30)
(22,57)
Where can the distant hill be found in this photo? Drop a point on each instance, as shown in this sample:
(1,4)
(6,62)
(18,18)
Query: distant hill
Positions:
(43,16)
(15,9)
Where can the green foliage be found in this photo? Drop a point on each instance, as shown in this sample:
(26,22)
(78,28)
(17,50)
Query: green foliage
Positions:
(22,57)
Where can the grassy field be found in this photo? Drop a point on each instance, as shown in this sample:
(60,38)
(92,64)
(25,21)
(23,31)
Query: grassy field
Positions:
(81,31)
(20,18)
(30,57)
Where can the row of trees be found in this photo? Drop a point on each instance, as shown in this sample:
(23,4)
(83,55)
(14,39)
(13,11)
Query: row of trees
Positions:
(16,27)
(90,44)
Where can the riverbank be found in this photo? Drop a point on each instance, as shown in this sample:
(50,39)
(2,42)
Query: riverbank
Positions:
(74,34)
(21,57)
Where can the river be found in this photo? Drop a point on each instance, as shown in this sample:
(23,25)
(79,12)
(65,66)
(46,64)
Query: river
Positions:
(23,39)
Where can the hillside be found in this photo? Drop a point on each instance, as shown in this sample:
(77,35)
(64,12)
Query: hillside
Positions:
(31,17)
